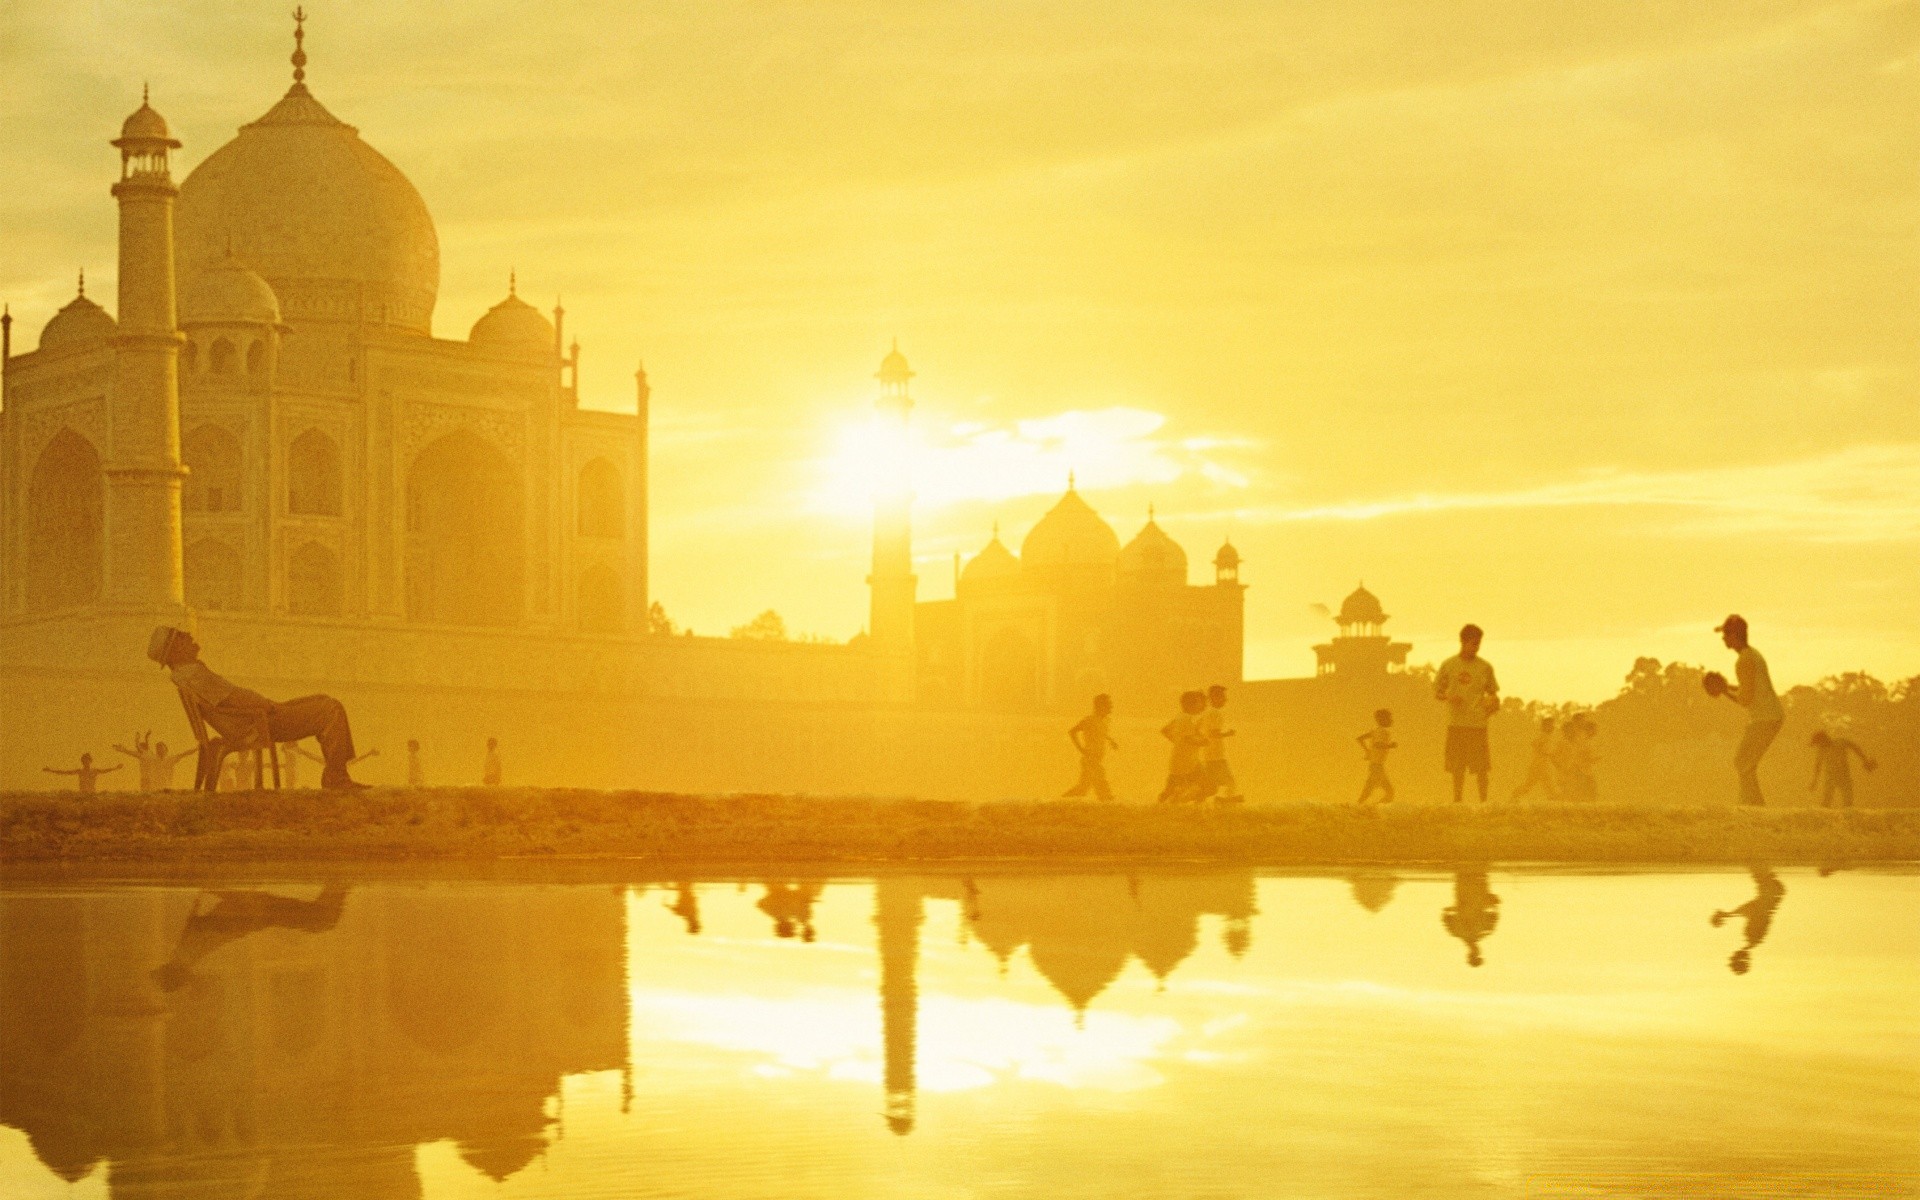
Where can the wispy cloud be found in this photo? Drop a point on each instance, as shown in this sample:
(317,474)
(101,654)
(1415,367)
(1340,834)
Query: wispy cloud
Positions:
(999,460)
(1862,494)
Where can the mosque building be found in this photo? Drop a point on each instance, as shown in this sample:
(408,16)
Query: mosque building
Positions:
(266,442)
(1075,614)
(340,461)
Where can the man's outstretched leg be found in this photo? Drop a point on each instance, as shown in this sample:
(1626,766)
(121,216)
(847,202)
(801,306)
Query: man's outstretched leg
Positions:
(323,719)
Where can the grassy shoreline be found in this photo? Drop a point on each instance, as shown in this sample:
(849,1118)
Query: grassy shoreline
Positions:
(468,825)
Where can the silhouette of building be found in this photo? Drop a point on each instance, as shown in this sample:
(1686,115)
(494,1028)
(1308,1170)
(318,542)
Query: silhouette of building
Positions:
(1079,931)
(293,1060)
(1075,614)
(1362,648)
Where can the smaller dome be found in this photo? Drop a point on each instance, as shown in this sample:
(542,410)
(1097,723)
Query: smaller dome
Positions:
(1070,535)
(1227,558)
(513,325)
(80,321)
(1361,608)
(893,368)
(228,291)
(146,125)
(994,562)
(1154,556)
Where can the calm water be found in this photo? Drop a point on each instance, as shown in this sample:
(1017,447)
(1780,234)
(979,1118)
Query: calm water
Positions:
(1392,1034)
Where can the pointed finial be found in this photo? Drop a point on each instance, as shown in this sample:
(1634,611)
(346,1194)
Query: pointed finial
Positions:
(145,95)
(299,49)
(83,281)
(1149,512)
(996,529)
(1069,480)
(513,282)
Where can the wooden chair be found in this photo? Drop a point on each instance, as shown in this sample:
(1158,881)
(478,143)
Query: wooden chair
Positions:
(214,748)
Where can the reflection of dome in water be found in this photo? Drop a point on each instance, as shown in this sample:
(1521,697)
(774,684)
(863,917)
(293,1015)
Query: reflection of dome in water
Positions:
(499,1158)
(1373,890)
(1361,608)
(1071,534)
(303,200)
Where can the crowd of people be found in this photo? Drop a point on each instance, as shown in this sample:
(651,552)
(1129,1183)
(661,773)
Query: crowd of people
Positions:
(1561,766)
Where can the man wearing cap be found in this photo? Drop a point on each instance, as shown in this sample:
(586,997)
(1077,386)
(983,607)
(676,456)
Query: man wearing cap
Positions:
(235,711)
(1753,692)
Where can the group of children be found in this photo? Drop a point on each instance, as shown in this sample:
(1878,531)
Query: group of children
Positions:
(1561,768)
(1197,770)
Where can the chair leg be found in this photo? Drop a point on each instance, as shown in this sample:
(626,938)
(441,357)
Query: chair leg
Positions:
(273,756)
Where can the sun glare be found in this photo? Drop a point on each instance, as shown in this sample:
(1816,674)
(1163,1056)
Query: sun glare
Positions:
(951,462)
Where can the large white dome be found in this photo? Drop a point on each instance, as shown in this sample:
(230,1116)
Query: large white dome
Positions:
(335,228)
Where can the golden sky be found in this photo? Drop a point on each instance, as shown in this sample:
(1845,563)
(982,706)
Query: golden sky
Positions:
(1589,323)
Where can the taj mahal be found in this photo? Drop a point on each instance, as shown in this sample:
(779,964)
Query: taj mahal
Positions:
(266,441)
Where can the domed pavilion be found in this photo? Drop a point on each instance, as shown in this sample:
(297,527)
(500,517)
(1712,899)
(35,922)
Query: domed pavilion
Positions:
(1076,613)
(1362,648)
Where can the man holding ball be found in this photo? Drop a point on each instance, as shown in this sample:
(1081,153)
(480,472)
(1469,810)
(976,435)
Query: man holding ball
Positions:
(1754,692)
(1465,684)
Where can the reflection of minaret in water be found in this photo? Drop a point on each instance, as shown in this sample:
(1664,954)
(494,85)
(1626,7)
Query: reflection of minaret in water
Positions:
(898,913)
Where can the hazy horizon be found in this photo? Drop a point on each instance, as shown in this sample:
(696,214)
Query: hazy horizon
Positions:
(1589,327)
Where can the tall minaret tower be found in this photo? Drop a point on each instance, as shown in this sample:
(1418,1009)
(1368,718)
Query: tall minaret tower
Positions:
(143,472)
(892,581)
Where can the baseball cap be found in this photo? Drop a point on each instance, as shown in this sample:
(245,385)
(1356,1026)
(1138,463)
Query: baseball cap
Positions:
(1734,621)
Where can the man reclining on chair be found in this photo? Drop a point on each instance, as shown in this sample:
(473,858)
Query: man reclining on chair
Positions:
(234,712)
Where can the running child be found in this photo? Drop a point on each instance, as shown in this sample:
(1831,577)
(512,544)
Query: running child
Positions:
(1091,737)
(1376,742)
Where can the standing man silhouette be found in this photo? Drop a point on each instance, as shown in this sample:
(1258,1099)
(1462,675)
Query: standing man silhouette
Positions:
(416,769)
(1466,685)
(490,768)
(1753,692)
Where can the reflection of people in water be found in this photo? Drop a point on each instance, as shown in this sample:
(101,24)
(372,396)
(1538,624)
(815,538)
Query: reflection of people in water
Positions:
(686,905)
(234,915)
(1475,910)
(1758,914)
(791,907)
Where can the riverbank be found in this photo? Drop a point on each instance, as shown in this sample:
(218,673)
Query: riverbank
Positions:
(479,824)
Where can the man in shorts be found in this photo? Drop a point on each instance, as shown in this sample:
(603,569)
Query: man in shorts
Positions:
(1466,685)
(1753,692)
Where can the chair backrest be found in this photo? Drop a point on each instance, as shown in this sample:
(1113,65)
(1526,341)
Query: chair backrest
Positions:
(196,720)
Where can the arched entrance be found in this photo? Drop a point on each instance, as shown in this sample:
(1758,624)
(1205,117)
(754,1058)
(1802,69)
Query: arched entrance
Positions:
(466,558)
(66,506)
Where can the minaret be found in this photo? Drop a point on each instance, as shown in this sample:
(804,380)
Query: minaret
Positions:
(898,913)
(643,394)
(892,582)
(143,471)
